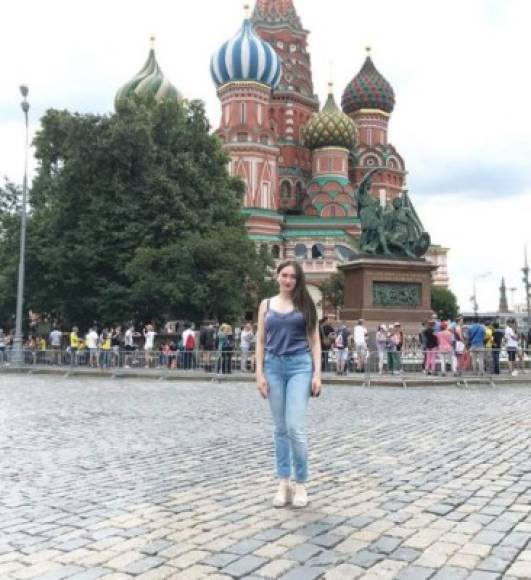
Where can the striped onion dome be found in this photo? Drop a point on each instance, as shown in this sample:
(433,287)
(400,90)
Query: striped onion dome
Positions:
(149,82)
(330,127)
(368,90)
(246,57)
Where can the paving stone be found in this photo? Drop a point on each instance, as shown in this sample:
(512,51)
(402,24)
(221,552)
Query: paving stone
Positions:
(220,560)
(243,566)
(366,559)
(415,573)
(385,545)
(478,575)
(245,547)
(303,573)
(451,573)
(303,552)
(406,554)
(276,568)
(344,572)
(91,574)
(490,538)
(327,540)
(143,565)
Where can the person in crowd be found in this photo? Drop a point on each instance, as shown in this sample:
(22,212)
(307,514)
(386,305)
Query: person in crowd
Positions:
(207,344)
(422,342)
(431,347)
(397,339)
(129,344)
(511,345)
(381,346)
(116,345)
(476,341)
(360,345)
(226,347)
(188,341)
(105,345)
(91,340)
(326,332)
(74,345)
(497,342)
(288,371)
(341,347)
(42,347)
(3,347)
(489,342)
(149,345)
(246,344)
(445,346)
(459,345)
(55,340)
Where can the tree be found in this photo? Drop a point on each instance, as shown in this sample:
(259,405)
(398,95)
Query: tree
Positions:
(444,303)
(333,290)
(134,216)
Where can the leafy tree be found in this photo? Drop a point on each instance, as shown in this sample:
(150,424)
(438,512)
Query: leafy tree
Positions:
(134,216)
(444,303)
(333,290)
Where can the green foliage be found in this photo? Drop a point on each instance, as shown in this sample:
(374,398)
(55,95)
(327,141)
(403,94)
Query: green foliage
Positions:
(134,216)
(333,290)
(444,303)
(10,196)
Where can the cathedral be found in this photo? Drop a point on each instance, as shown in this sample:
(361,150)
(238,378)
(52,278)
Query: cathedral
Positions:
(300,163)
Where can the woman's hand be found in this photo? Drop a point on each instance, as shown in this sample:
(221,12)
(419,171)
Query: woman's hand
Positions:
(262,386)
(316,385)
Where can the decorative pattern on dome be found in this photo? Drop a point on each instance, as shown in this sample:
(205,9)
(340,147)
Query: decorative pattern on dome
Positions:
(330,197)
(149,82)
(368,90)
(246,57)
(330,128)
(276,12)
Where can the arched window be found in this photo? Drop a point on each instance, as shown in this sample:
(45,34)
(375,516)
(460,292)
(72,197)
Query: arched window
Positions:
(275,251)
(300,251)
(263,248)
(318,251)
(285,189)
(344,253)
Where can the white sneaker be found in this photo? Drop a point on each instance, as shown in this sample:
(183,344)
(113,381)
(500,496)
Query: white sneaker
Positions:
(300,497)
(282,497)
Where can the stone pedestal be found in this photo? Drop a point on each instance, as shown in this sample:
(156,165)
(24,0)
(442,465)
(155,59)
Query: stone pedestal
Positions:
(383,289)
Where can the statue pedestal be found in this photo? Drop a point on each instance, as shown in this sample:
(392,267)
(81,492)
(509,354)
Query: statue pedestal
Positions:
(386,289)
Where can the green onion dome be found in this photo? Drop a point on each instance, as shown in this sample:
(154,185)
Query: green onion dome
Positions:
(149,82)
(368,90)
(330,127)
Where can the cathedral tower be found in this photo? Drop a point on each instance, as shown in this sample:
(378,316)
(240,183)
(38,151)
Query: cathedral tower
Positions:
(369,100)
(293,100)
(245,69)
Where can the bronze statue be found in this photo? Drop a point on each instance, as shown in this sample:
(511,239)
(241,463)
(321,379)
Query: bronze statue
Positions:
(395,231)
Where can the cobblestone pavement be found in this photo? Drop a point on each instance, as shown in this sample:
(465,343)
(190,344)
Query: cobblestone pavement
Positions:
(118,479)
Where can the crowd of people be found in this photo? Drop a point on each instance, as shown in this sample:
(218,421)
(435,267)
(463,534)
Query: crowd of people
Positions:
(441,345)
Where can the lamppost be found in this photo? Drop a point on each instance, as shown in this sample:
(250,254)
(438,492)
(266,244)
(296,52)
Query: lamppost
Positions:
(527,286)
(474,299)
(18,351)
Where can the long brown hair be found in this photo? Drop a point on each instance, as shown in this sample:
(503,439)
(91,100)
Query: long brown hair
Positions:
(301,297)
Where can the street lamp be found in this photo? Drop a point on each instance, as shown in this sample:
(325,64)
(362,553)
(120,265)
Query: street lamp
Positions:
(474,299)
(18,351)
(527,286)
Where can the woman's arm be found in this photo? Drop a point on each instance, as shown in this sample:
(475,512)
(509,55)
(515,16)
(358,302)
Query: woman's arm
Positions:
(259,351)
(315,347)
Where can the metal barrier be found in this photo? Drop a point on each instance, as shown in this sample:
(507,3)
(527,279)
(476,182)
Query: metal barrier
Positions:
(358,362)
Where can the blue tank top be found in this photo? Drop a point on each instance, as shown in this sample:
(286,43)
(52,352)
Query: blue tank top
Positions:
(285,332)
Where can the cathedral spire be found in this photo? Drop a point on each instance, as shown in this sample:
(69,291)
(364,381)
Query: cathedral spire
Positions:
(503,306)
(276,13)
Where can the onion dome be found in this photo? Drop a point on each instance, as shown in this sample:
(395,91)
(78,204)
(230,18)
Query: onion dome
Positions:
(276,13)
(368,90)
(246,57)
(149,82)
(330,127)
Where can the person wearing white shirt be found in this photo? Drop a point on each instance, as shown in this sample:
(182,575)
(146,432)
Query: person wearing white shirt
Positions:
(360,345)
(246,343)
(149,336)
(91,340)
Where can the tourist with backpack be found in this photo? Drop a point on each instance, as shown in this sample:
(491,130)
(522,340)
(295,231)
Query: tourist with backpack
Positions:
(341,346)
(188,340)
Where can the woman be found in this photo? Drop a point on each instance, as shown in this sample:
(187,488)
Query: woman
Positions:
(288,371)
(459,346)
(381,346)
(445,345)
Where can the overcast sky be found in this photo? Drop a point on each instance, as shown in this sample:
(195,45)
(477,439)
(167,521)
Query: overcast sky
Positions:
(460,71)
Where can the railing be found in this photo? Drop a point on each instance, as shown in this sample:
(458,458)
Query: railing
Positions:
(362,362)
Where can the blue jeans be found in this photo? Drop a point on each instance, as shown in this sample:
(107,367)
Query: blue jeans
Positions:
(289,380)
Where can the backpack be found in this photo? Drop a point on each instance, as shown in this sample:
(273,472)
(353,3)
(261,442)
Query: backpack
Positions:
(340,341)
(190,342)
